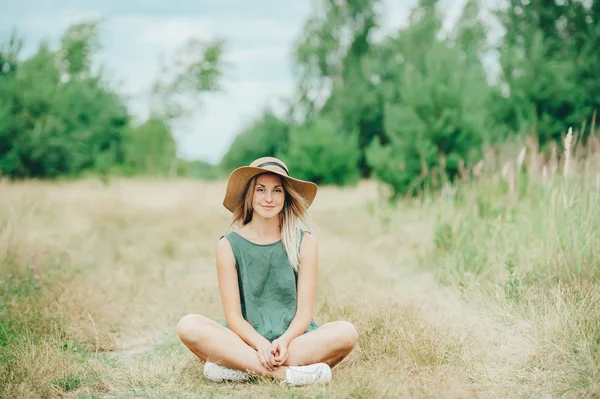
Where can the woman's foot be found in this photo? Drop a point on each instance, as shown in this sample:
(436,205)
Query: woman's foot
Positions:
(319,373)
(217,373)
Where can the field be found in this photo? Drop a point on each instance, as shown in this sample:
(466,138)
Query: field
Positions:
(488,290)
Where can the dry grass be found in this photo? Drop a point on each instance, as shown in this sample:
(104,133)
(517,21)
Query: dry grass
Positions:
(116,266)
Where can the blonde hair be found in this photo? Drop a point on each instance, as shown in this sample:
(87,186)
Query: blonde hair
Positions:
(295,211)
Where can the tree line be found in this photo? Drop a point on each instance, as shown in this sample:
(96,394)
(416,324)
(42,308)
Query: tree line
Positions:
(60,117)
(409,108)
(417,105)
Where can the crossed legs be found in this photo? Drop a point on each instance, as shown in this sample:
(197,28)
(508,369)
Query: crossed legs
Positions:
(210,341)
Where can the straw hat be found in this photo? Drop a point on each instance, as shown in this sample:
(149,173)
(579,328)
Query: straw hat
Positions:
(239,178)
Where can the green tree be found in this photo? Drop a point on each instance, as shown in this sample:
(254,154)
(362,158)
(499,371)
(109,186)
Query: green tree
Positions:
(335,57)
(199,169)
(267,135)
(435,106)
(150,149)
(549,62)
(195,68)
(78,45)
(322,152)
(58,117)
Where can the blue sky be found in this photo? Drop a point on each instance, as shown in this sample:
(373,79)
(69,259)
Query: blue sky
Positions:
(259,37)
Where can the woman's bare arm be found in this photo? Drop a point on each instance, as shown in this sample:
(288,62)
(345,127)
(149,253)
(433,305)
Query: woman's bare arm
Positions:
(307,287)
(230,296)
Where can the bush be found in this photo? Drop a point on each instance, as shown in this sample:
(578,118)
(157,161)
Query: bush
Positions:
(57,116)
(150,149)
(435,112)
(266,136)
(321,153)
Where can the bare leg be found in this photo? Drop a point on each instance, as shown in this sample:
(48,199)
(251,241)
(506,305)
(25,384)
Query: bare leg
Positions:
(212,342)
(330,343)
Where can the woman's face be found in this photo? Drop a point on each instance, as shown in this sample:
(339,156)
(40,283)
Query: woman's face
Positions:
(269,196)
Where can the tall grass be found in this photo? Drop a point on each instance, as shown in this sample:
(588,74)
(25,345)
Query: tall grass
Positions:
(33,328)
(531,241)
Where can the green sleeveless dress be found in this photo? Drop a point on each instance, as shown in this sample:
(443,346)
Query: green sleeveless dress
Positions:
(267,284)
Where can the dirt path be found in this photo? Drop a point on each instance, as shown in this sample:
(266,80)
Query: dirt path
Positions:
(493,349)
(495,345)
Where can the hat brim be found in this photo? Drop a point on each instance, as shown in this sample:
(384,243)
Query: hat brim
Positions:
(239,178)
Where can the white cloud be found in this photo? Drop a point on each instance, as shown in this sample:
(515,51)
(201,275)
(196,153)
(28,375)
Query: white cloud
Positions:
(452,10)
(213,127)
(394,15)
(246,55)
(58,21)
(272,30)
(36,27)
(173,32)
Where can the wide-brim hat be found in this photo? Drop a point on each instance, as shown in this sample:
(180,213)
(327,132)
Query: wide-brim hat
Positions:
(239,178)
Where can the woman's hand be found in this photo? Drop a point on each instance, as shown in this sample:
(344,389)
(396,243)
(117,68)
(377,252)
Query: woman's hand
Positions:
(280,351)
(265,355)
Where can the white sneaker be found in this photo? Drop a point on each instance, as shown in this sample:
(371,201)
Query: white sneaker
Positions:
(319,373)
(217,373)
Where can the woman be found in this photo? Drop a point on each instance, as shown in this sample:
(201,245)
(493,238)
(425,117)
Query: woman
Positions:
(267,275)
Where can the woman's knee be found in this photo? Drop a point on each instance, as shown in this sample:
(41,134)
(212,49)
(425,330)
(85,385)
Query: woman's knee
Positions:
(190,328)
(347,335)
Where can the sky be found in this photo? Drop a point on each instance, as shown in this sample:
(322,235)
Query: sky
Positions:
(135,34)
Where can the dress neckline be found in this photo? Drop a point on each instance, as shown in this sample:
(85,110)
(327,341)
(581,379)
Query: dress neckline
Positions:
(254,243)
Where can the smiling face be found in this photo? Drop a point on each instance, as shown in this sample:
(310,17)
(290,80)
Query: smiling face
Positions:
(269,196)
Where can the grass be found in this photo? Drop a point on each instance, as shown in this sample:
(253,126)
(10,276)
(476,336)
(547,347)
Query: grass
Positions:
(486,290)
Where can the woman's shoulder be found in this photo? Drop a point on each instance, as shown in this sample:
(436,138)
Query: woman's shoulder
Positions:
(305,232)
(307,241)
(236,235)
(307,235)
(227,234)
(227,241)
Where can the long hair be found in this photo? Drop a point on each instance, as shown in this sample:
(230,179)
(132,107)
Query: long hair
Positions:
(293,213)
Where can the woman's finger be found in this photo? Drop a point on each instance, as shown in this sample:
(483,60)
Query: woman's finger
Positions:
(272,360)
(279,355)
(262,360)
(266,357)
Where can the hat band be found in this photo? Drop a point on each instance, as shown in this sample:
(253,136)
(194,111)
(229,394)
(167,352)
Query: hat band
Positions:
(274,164)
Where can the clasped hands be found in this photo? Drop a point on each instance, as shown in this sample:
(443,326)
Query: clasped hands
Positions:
(272,355)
